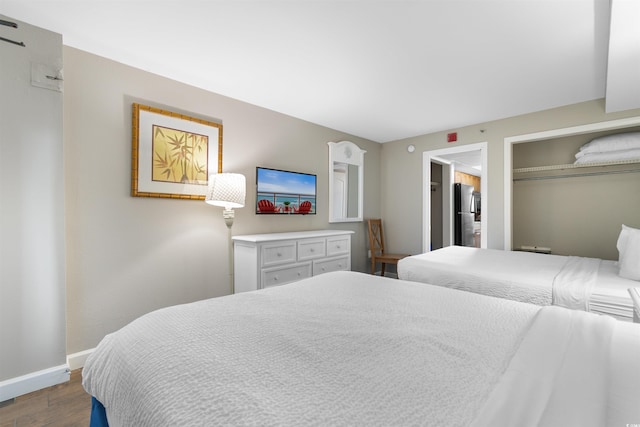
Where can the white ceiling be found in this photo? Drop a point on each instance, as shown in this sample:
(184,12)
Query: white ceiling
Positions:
(381,70)
(469,162)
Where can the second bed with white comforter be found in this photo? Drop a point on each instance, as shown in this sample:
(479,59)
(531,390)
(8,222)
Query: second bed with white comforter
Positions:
(581,283)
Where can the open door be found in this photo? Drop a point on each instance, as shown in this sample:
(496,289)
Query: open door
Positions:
(447,159)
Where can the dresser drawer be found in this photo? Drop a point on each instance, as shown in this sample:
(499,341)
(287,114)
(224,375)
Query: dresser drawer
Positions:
(338,245)
(278,253)
(266,260)
(328,265)
(311,249)
(280,275)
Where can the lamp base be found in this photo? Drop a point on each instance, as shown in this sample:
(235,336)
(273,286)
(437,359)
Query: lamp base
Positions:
(228,216)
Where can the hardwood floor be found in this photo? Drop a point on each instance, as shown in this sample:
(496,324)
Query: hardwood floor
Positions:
(61,405)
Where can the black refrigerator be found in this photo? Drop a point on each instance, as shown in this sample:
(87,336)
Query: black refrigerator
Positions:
(464,214)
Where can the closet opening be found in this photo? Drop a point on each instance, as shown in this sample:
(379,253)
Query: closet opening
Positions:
(571,209)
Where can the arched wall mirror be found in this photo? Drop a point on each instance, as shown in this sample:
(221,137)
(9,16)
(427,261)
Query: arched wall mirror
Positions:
(346,182)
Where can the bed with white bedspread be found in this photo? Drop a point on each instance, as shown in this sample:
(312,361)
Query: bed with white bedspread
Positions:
(348,348)
(588,284)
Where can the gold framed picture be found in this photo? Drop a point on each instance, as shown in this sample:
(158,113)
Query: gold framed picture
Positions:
(173,154)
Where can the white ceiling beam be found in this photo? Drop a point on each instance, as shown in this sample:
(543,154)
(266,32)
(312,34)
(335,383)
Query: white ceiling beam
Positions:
(623,71)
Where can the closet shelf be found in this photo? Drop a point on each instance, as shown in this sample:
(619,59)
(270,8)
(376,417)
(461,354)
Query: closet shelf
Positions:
(574,166)
(578,170)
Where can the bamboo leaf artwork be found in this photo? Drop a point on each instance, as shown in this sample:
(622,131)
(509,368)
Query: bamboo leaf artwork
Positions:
(172,154)
(179,156)
(164,166)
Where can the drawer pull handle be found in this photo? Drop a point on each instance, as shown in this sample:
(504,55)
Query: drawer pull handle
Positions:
(299,274)
(338,246)
(339,265)
(312,250)
(275,278)
(279,254)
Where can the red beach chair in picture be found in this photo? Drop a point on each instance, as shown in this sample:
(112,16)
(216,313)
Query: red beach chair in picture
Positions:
(267,206)
(305,208)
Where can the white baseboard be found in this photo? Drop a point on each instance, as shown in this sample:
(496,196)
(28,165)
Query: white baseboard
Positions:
(34,381)
(42,379)
(76,360)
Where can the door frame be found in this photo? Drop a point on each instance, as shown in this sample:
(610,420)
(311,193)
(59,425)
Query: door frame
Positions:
(437,156)
(447,201)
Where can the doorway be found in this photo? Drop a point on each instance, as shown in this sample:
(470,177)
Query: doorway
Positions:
(438,193)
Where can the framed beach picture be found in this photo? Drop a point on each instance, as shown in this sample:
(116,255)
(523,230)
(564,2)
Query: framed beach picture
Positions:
(173,154)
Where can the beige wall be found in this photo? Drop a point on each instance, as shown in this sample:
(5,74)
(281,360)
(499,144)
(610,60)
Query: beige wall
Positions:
(127,256)
(402,210)
(32,257)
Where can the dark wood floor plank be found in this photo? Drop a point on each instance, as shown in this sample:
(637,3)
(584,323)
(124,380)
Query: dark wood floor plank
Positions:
(23,406)
(62,405)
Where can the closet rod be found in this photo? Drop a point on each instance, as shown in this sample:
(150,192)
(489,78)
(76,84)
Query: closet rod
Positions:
(537,178)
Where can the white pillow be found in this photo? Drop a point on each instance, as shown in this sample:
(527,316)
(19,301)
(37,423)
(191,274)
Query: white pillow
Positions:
(629,253)
(620,141)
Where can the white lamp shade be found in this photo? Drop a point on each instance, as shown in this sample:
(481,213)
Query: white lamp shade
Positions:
(227,190)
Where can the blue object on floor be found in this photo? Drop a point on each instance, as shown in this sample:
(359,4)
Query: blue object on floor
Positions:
(98,414)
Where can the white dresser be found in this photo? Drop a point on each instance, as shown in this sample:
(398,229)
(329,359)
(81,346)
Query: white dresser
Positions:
(263,260)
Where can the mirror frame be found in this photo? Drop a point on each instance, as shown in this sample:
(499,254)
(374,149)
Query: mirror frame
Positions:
(349,153)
